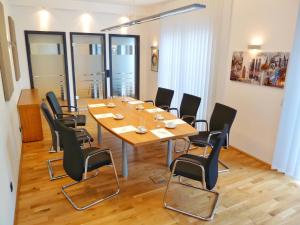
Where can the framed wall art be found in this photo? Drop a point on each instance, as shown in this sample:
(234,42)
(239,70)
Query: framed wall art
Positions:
(263,68)
(154,59)
(5,66)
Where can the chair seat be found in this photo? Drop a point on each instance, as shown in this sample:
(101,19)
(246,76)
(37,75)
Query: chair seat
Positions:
(80,120)
(100,159)
(202,136)
(83,135)
(187,169)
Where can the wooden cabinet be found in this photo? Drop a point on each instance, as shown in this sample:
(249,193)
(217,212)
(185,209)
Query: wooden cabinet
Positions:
(30,115)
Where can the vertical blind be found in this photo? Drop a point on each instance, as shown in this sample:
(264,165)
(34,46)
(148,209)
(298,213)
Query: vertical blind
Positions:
(187,47)
(287,153)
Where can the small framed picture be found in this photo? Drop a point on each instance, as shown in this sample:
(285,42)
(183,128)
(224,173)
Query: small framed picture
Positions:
(154,59)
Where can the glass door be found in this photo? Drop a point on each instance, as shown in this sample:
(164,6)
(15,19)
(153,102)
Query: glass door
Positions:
(46,52)
(124,65)
(88,60)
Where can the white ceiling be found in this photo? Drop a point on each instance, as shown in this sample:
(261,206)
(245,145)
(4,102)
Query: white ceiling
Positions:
(128,2)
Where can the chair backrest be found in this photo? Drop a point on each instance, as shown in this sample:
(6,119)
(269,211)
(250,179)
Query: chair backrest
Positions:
(211,168)
(50,120)
(73,161)
(189,106)
(164,97)
(54,104)
(221,115)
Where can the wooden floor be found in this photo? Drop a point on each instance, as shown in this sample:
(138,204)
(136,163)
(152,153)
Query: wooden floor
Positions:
(251,193)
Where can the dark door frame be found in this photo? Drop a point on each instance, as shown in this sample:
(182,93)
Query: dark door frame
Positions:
(72,59)
(137,61)
(27,33)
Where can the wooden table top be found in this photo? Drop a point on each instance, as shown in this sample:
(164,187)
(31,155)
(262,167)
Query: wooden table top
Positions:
(136,118)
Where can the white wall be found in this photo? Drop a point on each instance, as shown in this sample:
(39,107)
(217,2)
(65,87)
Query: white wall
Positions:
(10,143)
(259,108)
(71,20)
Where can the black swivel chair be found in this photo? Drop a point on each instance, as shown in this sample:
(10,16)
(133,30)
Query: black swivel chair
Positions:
(163,98)
(188,108)
(78,120)
(221,115)
(78,162)
(81,134)
(201,169)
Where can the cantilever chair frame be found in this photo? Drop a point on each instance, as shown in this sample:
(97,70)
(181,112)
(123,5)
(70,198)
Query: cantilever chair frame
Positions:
(215,203)
(211,134)
(85,178)
(52,150)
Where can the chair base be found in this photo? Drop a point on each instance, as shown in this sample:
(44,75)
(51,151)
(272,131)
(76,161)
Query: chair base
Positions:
(206,218)
(51,172)
(227,169)
(94,202)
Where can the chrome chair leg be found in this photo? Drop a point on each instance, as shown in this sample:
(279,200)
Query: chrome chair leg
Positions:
(206,218)
(94,202)
(51,172)
(227,169)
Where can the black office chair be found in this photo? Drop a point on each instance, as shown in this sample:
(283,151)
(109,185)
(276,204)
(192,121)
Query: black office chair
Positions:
(188,108)
(201,169)
(78,162)
(81,134)
(221,115)
(78,120)
(163,98)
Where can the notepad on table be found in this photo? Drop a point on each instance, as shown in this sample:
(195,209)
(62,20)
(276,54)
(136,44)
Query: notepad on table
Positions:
(155,110)
(125,129)
(104,115)
(136,102)
(162,133)
(176,121)
(96,105)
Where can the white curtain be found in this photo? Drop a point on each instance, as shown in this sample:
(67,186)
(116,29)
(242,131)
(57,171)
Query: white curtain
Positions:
(287,153)
(187,49)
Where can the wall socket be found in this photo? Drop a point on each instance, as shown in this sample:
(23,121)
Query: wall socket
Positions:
(11,186)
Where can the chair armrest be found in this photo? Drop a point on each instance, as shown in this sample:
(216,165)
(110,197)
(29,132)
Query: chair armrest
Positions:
(83,131)
(193,162)
(164,107)
(73,118)
(70,106)
(199,142)
(188,116)
(174,109)
(92,154)
(149,101)
(202,121)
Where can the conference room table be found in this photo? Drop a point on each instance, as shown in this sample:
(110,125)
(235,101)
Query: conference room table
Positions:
(125,129)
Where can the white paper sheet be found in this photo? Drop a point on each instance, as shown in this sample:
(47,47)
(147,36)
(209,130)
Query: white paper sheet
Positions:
(162,133)
(96,105)
(176,121)
(136,102)
(155,110)
(104,115)
(125,129)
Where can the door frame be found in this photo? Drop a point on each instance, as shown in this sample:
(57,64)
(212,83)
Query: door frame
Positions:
(73,64)
(137,60)
(28,51)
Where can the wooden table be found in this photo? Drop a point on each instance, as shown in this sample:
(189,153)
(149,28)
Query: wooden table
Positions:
(136,118)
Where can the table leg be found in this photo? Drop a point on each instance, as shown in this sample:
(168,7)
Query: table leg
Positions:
(124,159)
(170,152)
(99,134)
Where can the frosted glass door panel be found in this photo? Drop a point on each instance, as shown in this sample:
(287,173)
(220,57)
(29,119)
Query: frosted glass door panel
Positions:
(89,65)
(123,66)
(48,64)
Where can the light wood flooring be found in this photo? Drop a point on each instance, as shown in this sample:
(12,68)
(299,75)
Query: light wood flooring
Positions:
(251,193)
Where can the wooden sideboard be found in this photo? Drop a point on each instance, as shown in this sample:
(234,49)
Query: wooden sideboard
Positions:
(30,115)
